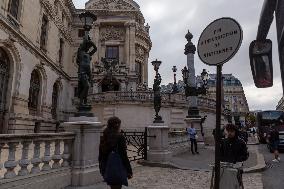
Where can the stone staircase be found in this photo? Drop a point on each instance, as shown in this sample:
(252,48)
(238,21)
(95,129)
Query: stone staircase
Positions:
(177,118)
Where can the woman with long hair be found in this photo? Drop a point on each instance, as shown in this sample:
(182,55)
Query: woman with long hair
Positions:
(113,141)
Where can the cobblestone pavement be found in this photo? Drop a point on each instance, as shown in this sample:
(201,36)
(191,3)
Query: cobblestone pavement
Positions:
(165,178)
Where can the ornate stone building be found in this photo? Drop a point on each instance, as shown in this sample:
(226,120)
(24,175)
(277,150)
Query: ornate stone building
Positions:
(38,45)
(120,34)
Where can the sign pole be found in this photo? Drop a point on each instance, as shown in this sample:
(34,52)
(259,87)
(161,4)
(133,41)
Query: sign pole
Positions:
(218,127)
(218,43)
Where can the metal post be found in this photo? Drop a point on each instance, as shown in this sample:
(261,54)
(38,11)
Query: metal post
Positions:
(145,143)
(218,127)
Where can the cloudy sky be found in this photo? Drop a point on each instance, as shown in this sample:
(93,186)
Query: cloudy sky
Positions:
(170,20)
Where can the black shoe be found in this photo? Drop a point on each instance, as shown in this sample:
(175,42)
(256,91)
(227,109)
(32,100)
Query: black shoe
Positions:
(193,153)
(197,152)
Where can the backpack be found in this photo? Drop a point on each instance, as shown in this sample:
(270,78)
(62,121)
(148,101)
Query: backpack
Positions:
(115,172)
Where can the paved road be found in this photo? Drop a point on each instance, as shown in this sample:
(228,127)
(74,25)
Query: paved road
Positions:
(273,176)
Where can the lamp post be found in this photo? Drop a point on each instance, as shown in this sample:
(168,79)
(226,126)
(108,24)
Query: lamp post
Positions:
(85,52)
(191,91)
(157,92)
(175,87)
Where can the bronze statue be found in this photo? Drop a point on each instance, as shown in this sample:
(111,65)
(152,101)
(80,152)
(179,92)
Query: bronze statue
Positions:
(84,58)
(157,97)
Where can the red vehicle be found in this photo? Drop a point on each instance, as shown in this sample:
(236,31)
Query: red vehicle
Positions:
(266,119)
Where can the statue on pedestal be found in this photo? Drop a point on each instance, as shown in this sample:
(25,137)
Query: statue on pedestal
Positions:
(157,97)
(84,57)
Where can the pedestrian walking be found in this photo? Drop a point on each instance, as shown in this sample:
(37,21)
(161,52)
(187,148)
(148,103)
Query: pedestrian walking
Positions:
(193,139)
(274,140)
(233,149)
(113,160)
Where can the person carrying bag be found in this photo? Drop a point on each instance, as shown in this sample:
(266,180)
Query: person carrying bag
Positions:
(113,160)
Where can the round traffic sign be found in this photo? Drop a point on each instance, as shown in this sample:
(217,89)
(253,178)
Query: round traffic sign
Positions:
(220,41)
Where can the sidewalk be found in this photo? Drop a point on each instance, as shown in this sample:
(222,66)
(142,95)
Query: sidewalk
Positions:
(205,157)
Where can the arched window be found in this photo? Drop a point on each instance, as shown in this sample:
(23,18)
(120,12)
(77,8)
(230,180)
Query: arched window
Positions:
(55,94)
(4,78)
(14,8)
(34,92)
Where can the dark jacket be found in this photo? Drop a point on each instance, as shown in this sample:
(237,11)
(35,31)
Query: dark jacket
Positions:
(121,148)
(233,150)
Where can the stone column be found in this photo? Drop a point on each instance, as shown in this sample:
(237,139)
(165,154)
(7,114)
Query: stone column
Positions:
(85,168)
(159,145)
(132,46)
(96,39)
(127,44)
(190,50)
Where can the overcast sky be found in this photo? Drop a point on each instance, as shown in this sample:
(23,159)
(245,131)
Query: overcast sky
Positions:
(170,20)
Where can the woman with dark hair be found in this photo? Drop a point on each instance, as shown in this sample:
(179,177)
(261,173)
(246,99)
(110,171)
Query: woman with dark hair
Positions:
(113,141)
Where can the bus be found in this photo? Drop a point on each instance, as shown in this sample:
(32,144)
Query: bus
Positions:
(265,119)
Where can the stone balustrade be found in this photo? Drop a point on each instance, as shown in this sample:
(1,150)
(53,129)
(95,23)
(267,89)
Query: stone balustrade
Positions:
(33,153)
(148,96)
(178,142)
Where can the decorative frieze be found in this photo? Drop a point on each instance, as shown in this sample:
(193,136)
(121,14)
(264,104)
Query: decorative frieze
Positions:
(112,33)
(140,53)
(112,5)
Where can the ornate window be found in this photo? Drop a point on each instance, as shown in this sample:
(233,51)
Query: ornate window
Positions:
(55,94)
(4,77)
(34,92)
(112,52)
(14,7)
(61,49)
(43,35)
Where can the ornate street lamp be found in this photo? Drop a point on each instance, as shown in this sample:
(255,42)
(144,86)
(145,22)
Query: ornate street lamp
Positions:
(194,91)
(157,92)
(88,19)
(175,87)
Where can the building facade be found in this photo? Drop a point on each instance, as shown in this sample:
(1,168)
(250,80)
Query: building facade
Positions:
(38,45)
(234,97)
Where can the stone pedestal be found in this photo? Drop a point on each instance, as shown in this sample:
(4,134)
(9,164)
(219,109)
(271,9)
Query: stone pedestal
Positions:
(85,168)
(196,122)
(159,145)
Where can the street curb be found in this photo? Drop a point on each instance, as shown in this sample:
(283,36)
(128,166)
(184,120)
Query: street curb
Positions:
(251,144)
(259,167)
(169,165)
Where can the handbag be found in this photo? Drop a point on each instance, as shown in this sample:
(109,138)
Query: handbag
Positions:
(196,136)
(115,172)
